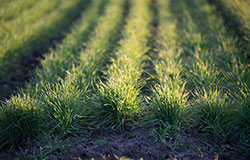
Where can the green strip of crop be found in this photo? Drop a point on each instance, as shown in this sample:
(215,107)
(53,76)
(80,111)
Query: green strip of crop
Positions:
(55,64)
(168,101)
(30,33)
(117,100)
(210,108)
(15,9)
(218,73)
(61,105)
(237,12)
(96,55)
(61,58)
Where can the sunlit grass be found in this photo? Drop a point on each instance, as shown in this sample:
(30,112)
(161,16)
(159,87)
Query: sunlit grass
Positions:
(117,102)
(29,35)
(91,80)
(64,103)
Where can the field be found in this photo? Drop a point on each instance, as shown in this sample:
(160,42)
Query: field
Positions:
(125,79)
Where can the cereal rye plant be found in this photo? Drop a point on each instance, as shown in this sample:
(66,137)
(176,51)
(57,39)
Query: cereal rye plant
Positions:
(20,120)
(213,113)
(63,107)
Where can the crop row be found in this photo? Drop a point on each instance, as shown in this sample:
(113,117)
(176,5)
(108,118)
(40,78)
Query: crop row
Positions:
(117,101)
(61,59)
(237,13)
(10,11)
(201,79)
(68,98)
(29,33)
(61,102)
(202,75)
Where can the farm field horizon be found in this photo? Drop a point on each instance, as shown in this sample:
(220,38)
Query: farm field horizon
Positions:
(125,79)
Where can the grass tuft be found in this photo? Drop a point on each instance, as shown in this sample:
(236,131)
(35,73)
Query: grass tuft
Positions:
(62,106)
(20,120)
(213,113)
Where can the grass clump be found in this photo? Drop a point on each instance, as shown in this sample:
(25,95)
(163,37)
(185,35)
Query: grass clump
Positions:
(62,106)
(169,103)
(20,120)
(213,113)
(241,118)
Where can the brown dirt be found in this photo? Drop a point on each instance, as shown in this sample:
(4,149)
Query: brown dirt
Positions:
(135,143)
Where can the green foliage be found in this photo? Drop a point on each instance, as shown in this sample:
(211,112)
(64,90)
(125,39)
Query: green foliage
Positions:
(29,34)
(117,101)
(201,73)
(62,107)
(168,100)
(241,119)
(64,103)
(20,120)
(168,103)
(59,60)
(213,113)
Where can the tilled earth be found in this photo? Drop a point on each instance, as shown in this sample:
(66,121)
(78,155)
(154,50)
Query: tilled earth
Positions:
(134,143)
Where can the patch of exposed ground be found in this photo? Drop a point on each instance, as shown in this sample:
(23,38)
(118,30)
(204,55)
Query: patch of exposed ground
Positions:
(135,143)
